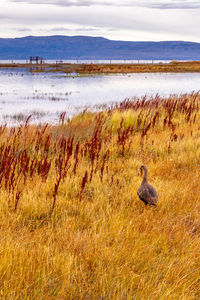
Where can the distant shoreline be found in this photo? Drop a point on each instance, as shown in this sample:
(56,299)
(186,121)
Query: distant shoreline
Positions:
(91,68)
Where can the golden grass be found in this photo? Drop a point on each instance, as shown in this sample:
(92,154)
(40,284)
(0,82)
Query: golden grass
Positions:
(174,66)
(100,241)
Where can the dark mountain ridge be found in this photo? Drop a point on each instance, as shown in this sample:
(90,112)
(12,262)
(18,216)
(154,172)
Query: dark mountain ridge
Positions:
(86,47)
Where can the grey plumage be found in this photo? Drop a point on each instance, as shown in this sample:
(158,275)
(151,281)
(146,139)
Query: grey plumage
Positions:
(147,192)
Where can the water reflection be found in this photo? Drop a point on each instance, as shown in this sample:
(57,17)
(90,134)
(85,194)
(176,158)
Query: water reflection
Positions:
(45,96)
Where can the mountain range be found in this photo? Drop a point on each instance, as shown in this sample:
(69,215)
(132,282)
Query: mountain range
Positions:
(86,47)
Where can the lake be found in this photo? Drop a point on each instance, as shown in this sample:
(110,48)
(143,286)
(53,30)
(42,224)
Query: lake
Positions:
(46,95)
(91,61)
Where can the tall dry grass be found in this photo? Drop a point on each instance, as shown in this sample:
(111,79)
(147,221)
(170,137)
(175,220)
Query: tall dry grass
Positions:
(71,223)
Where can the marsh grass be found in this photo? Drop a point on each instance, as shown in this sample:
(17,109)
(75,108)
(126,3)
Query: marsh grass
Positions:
(71,223)
(86,69)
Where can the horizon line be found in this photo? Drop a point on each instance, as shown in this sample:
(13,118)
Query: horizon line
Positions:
(89,36)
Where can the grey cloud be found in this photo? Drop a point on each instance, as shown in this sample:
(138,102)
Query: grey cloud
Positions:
(83,28)
(22,29)
(59,29)
(164,4)
(66,3)
(135,22)
(106,19)
(174,5)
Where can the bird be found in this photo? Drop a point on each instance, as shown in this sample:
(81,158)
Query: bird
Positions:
(146,191)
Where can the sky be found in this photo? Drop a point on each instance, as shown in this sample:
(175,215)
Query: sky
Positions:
(130,20)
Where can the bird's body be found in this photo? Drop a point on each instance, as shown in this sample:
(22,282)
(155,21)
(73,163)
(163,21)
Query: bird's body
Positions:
(146,191)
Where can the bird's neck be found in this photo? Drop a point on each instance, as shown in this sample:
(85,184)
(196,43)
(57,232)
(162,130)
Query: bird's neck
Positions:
(144,177)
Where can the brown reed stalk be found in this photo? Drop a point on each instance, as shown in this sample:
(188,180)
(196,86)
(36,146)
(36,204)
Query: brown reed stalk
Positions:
(123,135)
(92,146)
(62,166)
(76,153)
(83,184)
(33,167)
(169,148)
(56,186)
(23,162)
(145,130)
(155,118)
(27,121)
(165,122)
(62,118)
(43,168)
(173,137)
(47,143)
(105,157)
(16,202)
(40,135)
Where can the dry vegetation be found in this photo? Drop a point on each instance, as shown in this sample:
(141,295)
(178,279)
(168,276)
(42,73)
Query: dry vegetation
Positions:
(71,223)
(174,66)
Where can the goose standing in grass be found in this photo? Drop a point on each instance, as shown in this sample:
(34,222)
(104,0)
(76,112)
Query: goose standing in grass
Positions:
(147,192)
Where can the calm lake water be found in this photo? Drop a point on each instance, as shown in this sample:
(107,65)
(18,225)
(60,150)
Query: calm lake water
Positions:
(46,95)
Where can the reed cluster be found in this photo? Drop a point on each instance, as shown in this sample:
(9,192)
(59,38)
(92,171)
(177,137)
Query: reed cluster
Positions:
(71,224)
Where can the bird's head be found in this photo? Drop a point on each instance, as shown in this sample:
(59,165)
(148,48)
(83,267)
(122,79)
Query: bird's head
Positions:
(143,169)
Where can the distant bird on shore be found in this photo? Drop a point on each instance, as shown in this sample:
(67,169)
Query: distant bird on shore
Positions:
(147,192)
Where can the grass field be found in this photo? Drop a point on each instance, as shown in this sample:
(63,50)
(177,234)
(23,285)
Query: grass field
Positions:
(71,223)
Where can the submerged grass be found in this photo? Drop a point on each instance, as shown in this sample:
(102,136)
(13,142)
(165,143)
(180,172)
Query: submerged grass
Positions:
(71,223)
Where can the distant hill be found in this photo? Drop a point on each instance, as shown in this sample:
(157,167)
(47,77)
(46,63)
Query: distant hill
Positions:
(85,47)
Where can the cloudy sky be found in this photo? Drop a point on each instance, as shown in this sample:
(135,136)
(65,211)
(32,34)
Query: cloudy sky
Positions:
(133,20)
